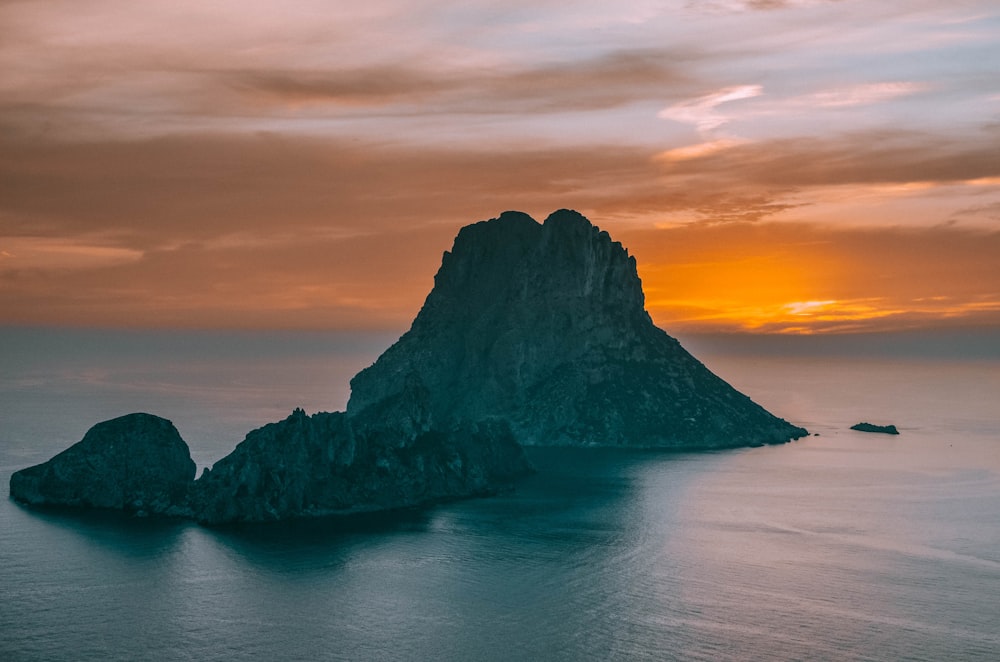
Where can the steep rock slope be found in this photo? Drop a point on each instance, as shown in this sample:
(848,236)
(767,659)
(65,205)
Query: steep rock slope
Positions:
(544,326)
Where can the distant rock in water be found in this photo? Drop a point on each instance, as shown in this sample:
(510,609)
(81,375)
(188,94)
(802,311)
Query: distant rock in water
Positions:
(137,463)
(870,427)
(544,326)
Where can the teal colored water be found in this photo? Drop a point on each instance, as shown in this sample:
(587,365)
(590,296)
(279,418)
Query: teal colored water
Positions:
(840,546)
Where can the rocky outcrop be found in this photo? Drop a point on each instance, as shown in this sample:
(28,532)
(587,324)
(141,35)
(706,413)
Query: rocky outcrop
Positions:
(137,463)
(533,333)
(304,466)
(544,326)
(328,464)
(871,427)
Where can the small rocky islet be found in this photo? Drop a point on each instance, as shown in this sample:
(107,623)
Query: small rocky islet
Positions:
(872,427)
(136,463)
(533,334)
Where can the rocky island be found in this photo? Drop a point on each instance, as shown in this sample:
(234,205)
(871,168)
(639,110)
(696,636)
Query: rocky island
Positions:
(871,427)
(137,463)
(544,325)
(533,334)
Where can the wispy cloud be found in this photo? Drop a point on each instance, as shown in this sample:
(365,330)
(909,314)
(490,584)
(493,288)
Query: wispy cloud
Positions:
(857,95)
(605,81)
(702,112)
(751,5)
(872,157)
(49,253)
(707,114)
(699,150)
(710,114)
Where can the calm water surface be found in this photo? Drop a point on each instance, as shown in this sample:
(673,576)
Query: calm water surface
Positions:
(838,546)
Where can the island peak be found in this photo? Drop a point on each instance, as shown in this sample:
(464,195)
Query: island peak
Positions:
(544,326)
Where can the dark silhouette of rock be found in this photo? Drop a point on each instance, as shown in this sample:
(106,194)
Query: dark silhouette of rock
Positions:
(532,333)
(544,326)
(328,464)
(870,427)
(137,463)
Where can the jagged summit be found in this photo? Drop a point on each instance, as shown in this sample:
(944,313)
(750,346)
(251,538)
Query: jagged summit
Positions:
(544,325)
(566,257)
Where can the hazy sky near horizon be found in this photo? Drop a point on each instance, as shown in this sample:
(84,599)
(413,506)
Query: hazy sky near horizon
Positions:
(774,165)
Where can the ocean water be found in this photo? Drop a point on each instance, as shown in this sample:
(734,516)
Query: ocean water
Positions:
(841,546)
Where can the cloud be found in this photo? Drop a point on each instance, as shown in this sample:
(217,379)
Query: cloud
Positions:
(700,150)
(879,156)
(858,95)
(604,81)
(732,6)
(157,193)
(39,253)
(701,112)
(990,212)
(116,92)
(609,80)
(219,190)
(371,86)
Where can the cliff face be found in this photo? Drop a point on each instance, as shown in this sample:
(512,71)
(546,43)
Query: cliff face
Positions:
(137,463)
(544,326)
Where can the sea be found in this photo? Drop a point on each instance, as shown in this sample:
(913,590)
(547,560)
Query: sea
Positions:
(840,546)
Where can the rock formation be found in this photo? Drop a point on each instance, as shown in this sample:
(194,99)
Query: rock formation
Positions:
(533,333)
(871,427)
(544,326)
(329,464)
(136,463)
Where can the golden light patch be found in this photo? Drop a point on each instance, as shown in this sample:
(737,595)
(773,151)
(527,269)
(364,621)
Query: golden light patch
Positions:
(700,150)
(983,181)
(788,278)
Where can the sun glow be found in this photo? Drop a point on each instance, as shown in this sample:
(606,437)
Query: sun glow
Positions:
(774,316)
(801,279)
(808,307)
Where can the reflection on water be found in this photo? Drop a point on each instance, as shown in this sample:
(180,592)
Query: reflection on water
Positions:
(114,531)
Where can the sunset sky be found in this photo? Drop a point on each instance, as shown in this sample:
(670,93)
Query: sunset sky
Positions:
(774,165)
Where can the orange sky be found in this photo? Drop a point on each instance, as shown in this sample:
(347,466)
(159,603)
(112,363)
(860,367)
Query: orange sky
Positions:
(782,166)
